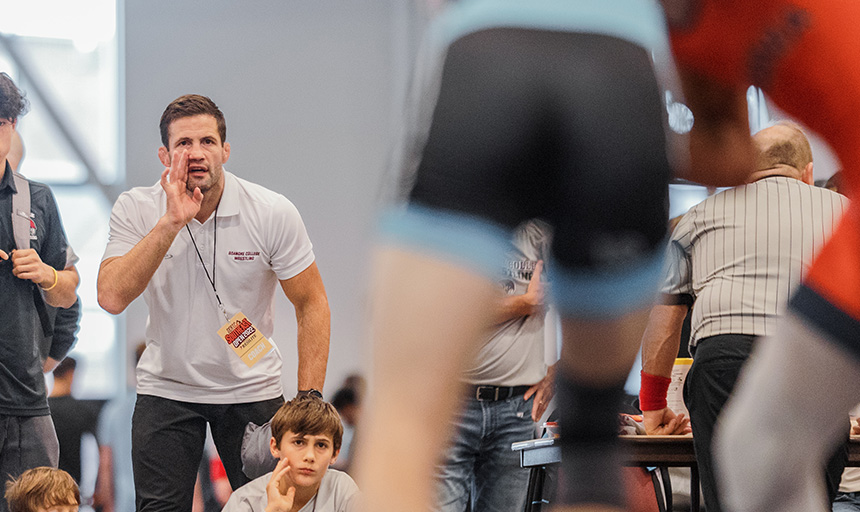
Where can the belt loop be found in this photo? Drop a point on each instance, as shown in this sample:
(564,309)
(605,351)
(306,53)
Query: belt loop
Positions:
(497,394)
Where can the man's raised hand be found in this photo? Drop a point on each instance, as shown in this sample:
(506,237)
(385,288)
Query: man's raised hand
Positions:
(182,204)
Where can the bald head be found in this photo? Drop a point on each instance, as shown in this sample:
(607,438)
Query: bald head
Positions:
(783,150)
(16,151)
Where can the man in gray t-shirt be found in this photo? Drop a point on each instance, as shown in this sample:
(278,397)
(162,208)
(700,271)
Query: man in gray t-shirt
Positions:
(508,390)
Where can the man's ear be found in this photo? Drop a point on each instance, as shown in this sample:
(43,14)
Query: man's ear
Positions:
(226,152)
(334,457)
(164,156)
(273,448)
(806,174)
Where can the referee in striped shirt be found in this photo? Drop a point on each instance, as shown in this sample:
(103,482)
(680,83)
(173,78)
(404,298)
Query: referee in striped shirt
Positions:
(734,258)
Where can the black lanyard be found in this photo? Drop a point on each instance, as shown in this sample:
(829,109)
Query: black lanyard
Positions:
(214,245)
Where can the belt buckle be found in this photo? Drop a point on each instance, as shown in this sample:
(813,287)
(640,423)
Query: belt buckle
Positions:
(481,388)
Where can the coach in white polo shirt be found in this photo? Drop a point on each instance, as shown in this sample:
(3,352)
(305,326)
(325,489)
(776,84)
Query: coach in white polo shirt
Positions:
(207,250)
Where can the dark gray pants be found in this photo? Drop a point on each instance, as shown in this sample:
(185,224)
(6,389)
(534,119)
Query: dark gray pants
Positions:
(167,440)
(26,442)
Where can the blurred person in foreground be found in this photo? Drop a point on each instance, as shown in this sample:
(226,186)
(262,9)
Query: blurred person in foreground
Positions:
(540,109)
(802,54)
(734,259)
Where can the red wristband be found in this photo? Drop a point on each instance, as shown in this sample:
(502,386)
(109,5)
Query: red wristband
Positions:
(652,391)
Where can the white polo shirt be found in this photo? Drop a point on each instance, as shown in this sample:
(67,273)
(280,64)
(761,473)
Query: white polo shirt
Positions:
(260,239)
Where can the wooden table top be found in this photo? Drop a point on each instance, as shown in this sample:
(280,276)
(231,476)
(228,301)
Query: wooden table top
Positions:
(678,450)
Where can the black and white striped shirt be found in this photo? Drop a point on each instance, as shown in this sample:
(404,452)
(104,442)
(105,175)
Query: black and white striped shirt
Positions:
(740,253)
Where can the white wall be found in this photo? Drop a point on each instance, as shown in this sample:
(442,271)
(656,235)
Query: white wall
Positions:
(312,92)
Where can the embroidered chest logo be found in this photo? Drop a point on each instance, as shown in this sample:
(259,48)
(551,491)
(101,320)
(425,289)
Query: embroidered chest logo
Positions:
(244,255)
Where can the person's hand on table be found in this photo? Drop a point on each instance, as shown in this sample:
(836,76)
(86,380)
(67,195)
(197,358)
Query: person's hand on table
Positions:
(665,422)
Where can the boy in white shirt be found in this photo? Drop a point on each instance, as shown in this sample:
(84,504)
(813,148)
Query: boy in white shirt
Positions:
(306,438)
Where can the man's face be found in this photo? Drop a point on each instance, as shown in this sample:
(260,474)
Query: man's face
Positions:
(309,457)
(198,135)
(7,128)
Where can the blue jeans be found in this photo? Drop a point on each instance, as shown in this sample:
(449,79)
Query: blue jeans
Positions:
(480,465)
(847,502)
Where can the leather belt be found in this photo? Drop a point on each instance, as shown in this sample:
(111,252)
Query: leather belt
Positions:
(495,393)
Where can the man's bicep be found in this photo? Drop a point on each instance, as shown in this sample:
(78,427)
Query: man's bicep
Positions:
(125,228)
(304,286)
(676,271)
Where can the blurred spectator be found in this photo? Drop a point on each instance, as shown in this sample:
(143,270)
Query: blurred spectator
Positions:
(212,489)
(115,484)
(347,401)
(357,383)
(73,419)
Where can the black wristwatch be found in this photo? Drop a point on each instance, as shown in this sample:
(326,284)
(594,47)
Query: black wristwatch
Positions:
(309,392)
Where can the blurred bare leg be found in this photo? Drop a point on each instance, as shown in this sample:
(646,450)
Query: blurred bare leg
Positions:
(597,356)
(786,416)
(427,317)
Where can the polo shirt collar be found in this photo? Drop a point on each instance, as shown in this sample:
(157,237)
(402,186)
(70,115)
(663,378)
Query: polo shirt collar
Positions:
(229,204)
(8,181)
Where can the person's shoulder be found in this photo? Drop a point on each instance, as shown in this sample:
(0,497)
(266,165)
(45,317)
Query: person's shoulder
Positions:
(339,476)
(252,190)
(249,497)
(257,196)
(831,195)
(341,483)
(144,195)
(338,492)
(823,194)
(39,191)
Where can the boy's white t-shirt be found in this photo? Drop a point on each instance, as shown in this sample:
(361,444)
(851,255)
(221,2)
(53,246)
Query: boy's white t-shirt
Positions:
(337,493)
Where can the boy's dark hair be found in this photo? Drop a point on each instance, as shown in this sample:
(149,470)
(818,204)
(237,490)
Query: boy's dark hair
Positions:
(66,366)
(308,415)
(187,106)
(42,487)
(13,104)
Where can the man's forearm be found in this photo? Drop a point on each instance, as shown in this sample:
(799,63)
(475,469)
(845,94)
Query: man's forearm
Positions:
(122,279)
(516,306)
(314,330)
(662,339)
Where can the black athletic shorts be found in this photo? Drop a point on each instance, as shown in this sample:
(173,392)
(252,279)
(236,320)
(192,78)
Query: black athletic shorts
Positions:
(564,126)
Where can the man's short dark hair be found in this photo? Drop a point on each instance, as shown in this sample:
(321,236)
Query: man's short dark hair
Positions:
(187,106)
(13,104)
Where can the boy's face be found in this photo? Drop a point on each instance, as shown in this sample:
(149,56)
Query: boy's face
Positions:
(309,456)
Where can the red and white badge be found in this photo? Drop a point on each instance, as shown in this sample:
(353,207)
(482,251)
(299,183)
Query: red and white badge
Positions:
(245,339)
